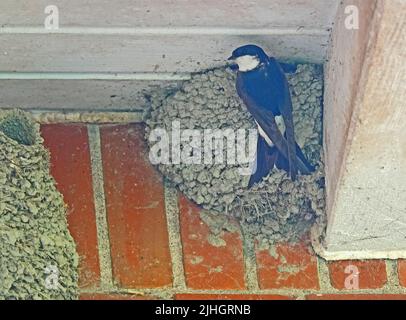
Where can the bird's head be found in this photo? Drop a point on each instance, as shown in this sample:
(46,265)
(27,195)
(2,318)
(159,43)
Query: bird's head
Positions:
(248,57)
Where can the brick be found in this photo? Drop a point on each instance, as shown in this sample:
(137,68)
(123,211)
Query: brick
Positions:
(402,272)
(192,296)
(207,265)
(113,296)
(356,297)
(135,210)
(288,266)
(70,166)
(372,274)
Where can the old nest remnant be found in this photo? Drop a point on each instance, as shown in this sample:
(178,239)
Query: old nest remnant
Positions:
(38,257)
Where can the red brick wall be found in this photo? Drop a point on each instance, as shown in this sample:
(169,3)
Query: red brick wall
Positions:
(145,257)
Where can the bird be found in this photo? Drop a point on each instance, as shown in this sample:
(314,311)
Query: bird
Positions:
(263,87)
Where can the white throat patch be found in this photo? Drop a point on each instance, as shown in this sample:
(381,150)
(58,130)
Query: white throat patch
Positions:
(247,63)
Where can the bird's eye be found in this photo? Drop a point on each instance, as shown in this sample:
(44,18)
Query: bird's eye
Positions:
(233,66)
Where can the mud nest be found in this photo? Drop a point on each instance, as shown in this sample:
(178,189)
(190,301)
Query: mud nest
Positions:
(275,209)
(38,257)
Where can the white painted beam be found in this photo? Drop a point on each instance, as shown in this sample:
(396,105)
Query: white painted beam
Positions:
(79,95)
(367,205)
(143,53)
(141,43)
(140,76)
(153,31)
(172,13)
(342,76)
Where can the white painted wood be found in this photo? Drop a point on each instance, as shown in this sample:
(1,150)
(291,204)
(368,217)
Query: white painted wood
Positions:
(342,74)
(129,39)
(360,254)
(160,31)
(170,13)
(78,94)
(172,53)
(368,214)
(141,76)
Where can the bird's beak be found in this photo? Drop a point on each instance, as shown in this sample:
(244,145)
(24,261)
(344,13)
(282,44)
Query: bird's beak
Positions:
(232,64)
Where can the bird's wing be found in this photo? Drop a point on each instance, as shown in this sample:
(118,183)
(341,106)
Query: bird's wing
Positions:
(266,120)
(265,162)
(282,163)
(285,108)
(284,102)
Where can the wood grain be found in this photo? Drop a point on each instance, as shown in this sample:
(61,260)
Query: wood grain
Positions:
(167,53)
(78,94)
(368,214)
(342,74)
(170,13)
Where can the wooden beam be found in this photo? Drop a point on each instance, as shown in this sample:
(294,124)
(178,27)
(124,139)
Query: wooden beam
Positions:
(365,135)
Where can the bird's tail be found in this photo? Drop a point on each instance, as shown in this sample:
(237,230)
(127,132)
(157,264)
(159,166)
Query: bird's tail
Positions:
(269,157)
(283,163)
(265,162)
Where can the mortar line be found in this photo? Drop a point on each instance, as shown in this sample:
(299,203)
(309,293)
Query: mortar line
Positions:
(175,241)
(250,262)
(324,275)
(298,293)
(392,285)
(392,274)
(106,271)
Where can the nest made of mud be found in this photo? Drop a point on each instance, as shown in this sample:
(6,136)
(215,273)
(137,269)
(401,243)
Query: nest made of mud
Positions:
(277,208)
(38,258)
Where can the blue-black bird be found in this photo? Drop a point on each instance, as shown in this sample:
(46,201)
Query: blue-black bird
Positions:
(263,87)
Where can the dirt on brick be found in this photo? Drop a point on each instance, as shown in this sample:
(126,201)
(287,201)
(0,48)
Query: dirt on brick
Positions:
(38,257)
(274,210)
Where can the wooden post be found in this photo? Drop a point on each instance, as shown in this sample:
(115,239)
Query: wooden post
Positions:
(365,134)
